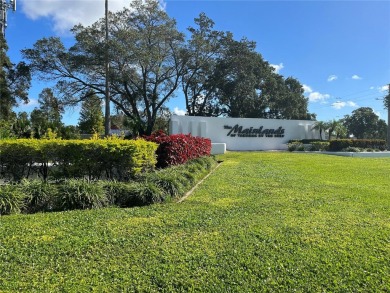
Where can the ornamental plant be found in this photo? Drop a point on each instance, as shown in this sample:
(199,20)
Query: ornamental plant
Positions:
(177,149)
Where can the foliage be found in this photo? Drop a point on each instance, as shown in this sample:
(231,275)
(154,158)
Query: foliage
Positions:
(262,222)
(32,196)
(123,194)
(351,149)
(48,115)
(11,199)
(340,144)
(177,149)
(145,65)
(81,194)
(295,146)
(319,146)
(203,50)
(15,80)
(365,124)
(112,158)
(149,60)
(39,196)
(91,115)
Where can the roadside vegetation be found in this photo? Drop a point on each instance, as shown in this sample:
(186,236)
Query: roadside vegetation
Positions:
(261,222)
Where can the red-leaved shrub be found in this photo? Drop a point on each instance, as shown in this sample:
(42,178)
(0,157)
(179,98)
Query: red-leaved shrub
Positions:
(177,149)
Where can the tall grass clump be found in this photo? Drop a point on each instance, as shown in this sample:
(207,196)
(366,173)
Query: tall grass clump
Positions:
(11,199)
(81,194)
(39,196)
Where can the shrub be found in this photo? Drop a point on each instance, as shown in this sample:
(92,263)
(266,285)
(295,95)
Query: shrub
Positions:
(340,144)
(169,182)
(319,146)
(114,158)
(81,194)
(39,196)
(295,146)
(351,149)
(11,199)
(124,194)
(150,193)
(153,187)
(177,149)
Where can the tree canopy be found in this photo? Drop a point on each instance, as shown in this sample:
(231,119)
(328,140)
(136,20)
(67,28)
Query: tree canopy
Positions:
(149,60)
(15,81)
(91,115)
(364,123)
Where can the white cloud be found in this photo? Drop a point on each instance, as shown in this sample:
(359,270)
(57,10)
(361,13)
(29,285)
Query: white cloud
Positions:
(383,88)
(332,77)
(318,97)
(67,13)
(277,67)
(179,112)
(307,89)
(314,96)
(339,105)
(356,77)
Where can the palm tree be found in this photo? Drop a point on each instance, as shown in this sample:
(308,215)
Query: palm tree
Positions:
(336,128)
(320,126)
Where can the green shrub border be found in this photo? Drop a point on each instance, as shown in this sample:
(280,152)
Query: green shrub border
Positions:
(93,159)
(158,186)
(337,145)
(340,144)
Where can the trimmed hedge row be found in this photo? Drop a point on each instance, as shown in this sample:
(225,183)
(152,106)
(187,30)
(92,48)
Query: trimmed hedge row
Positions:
(177,149)
(31,196)
(112,158)
(341,144)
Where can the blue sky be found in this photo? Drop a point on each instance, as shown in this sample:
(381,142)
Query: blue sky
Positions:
(339,50)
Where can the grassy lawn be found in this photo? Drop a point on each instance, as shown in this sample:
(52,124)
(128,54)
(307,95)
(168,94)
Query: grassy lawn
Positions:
(262,222)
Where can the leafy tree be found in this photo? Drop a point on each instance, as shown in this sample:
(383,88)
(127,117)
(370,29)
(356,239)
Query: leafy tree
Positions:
(364,123)
(145,65)
(238,76)
(247,85)
(48,115)
(22,126)
(202,52)
(70,132)
(15,81)
(91,115)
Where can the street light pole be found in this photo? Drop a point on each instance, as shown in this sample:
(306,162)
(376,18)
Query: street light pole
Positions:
(107,69)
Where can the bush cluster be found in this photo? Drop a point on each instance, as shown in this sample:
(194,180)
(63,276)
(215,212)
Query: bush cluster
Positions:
(31,196)
(342,144)
(178,148)
(93,159)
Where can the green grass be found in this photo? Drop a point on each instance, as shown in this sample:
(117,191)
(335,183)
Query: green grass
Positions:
(262,222)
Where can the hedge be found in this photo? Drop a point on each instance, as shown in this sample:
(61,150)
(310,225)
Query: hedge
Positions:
(177,149)
(340,144)
(32,196)
(109,158)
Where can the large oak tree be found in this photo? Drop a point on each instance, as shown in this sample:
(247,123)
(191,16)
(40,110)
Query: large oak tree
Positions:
(144,61)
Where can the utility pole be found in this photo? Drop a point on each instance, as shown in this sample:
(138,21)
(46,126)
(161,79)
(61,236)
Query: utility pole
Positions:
(387,106)
(4,5)
(107,69)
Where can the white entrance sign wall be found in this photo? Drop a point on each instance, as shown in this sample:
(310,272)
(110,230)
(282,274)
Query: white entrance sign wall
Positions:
(241,134)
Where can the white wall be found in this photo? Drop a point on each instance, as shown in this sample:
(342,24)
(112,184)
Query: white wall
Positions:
(244,133)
